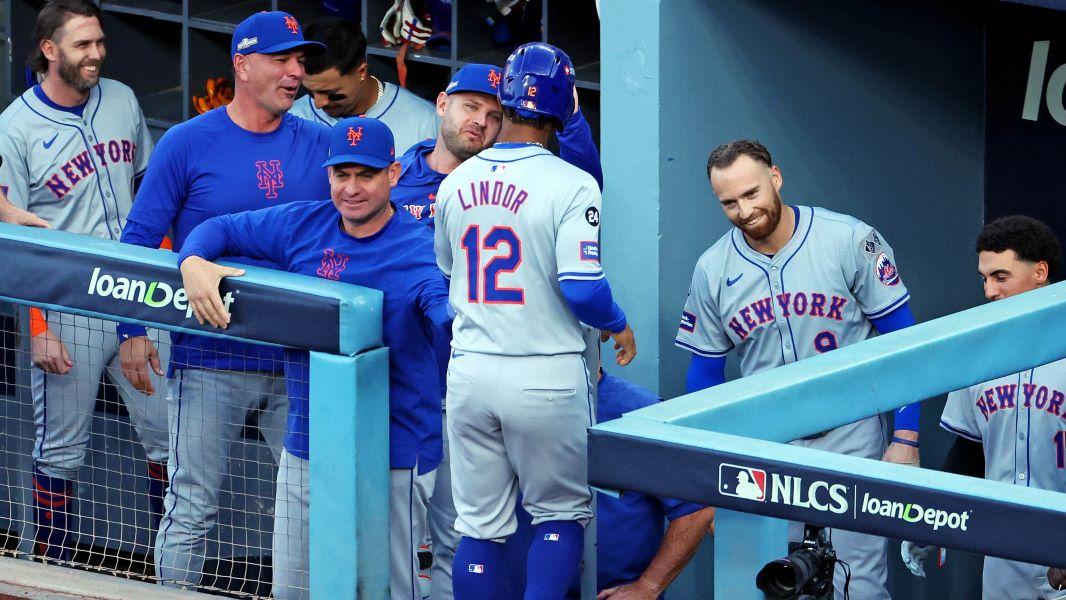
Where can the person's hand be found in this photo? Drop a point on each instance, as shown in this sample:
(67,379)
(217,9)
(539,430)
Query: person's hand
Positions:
(902,454)
(915,556)
(135,354)
(1056,578)
(9,213)
(49,354)
(636,590)
(626,345)
(201,279)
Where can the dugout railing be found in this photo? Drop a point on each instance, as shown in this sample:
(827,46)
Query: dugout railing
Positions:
(687,447)
(341,326)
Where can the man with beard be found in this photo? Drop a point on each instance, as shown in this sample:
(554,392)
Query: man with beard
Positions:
(340,85)
(71,148)
(246,155)
(470,121)
(841,286)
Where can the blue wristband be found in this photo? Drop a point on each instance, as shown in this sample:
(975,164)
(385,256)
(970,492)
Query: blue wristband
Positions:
(900,440)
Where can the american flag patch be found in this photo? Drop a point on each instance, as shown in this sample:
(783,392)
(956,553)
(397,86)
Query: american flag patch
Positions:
(475,568)
(551,537)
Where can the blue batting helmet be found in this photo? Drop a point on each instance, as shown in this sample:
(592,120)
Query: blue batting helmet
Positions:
(538,81)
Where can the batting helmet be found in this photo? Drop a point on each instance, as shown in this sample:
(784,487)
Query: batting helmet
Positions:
(538,81)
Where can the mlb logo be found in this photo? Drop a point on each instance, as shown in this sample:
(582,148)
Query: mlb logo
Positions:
(551,537)
(590,251)
(498,168)
(742,482)
(479,569)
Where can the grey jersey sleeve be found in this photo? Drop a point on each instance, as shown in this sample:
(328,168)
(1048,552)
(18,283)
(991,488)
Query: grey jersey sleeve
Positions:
(145,145)
(577,242)
(14,175)
(959,416)
(873,279)
(701,329)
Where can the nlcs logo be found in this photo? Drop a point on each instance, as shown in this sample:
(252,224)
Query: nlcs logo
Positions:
(333,264)
(270,176)
(355,136)
(291,23)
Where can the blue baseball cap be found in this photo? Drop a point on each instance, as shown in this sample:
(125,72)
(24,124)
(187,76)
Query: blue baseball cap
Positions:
(475,77)
(361,141)
(271,33)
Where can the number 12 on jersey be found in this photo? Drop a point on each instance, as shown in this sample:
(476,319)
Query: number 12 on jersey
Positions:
(483,282)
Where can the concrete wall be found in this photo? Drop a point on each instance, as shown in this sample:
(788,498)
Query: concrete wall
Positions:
(874,109)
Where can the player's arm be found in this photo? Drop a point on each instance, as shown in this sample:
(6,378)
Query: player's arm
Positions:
(704,372)
(262,234)
(577,147)
(580,276)
(14,183)
(431,295)
(904,446)
(145,146)
(442,245)
(688,524)
(700,333)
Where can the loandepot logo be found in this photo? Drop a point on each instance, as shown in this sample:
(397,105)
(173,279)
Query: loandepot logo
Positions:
(915,513)
(155,294)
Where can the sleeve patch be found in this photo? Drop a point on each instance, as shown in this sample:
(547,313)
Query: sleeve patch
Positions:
(590,251)
(688,321)
(886,271)
(871,245)
(592,216)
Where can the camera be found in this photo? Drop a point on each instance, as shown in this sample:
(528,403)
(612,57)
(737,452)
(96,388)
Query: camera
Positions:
(807,570)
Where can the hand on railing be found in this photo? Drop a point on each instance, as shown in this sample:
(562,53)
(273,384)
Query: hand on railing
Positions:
(201,279)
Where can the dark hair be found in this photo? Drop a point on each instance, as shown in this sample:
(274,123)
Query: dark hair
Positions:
(540,122)
(50,20)
(345,45)
(727,154)
(1031,239)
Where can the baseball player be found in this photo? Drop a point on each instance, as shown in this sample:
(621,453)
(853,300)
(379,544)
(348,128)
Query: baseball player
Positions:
(246,155)
(517,233)
(378,246)
(71,148)
(470,121)
(1016,418)
(636,557)
(788,283)
(340,85)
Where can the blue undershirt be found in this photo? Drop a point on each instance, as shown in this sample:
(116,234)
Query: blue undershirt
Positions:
(77,110)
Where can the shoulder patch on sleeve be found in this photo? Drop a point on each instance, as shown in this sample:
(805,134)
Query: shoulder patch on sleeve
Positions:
(871,245)
(592,216)
(688,322)
(886,271)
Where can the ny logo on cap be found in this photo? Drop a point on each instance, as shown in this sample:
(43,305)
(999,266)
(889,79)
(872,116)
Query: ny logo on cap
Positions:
(291,23)
(355,136)
(494,79)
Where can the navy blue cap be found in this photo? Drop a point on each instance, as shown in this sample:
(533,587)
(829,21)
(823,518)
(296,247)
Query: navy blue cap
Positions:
(361,141)
(270,33)
(475,77)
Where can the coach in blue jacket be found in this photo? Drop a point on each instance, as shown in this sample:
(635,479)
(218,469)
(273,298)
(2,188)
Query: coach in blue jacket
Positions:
(358,237)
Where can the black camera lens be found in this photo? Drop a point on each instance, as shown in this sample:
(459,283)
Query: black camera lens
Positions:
(786,577)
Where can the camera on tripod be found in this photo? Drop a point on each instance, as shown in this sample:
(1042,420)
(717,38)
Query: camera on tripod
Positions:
(807,570)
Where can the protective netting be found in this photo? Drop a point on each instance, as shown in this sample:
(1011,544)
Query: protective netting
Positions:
(178,485)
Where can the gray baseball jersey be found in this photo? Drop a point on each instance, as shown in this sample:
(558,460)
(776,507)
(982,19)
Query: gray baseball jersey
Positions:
(817,294)
(76,172)
(506,234)
(411,118)
(1021,422)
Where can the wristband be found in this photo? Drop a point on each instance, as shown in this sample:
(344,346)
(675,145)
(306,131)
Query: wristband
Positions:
(900,440)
